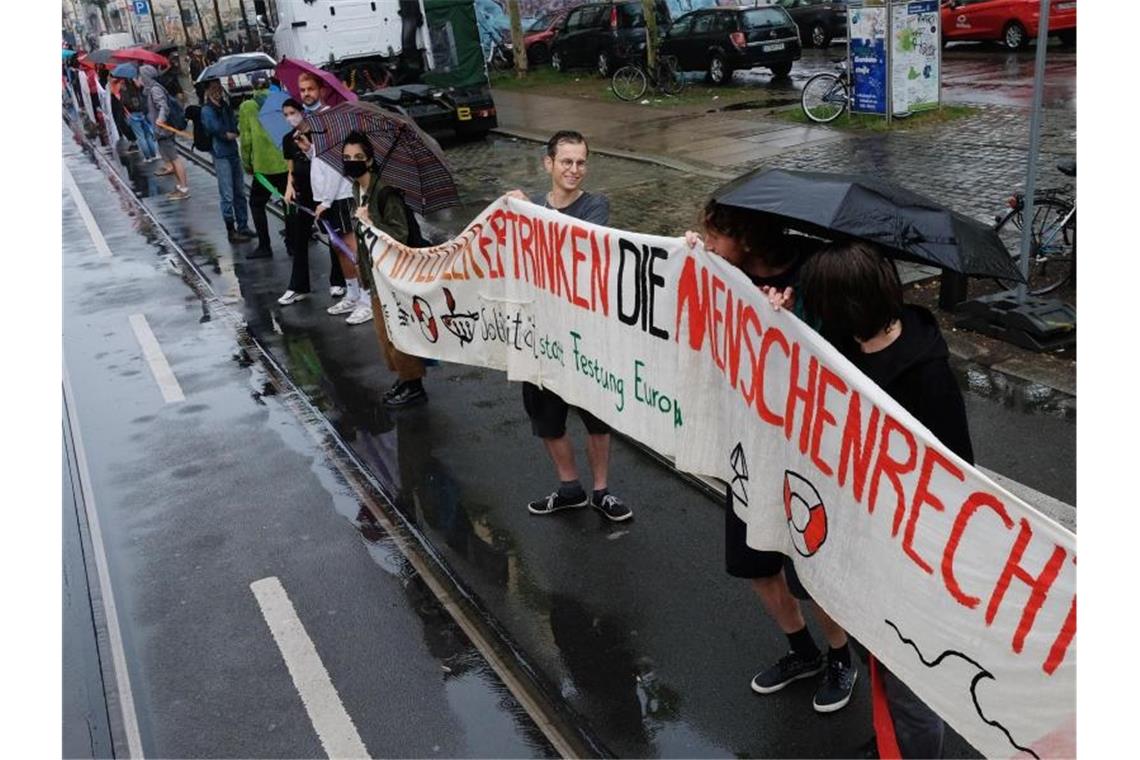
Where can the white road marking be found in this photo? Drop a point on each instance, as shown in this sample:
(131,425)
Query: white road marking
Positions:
(85,214)
(159,367)
(332,723)
(118,656)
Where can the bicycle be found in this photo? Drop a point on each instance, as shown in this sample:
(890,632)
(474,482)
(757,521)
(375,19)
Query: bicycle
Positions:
(1053,236)
(630,81)
(825,96)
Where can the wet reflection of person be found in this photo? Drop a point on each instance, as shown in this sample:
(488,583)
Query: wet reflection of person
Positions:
(296,146)
(757,245)
(565,162)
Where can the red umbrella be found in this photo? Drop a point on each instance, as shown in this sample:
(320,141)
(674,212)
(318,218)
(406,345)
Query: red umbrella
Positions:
(333,90)
(141,56)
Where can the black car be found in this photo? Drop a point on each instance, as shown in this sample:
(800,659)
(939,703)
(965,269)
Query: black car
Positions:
(604,36)
(819,21)
(721,40)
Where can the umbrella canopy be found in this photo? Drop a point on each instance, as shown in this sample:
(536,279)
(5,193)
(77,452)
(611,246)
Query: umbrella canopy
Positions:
(271,118)
(909,225)
(333,90)
(239,63)
(408,158)
(68,52)
(101,56)
(125,71)
(141,56)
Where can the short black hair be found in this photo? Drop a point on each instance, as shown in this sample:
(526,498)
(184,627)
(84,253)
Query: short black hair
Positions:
(296,106)
(852,289)
(356,137)
(568,136)
(761,234)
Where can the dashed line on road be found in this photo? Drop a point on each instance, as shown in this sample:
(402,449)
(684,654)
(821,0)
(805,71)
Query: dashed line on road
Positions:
(331,721)
(85,214)
(156,360)
(114,634)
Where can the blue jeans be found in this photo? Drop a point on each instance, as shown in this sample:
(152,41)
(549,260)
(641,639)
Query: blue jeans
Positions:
(231,189)
(144,134)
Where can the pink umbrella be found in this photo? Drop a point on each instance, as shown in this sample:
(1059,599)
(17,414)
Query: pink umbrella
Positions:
(333,90)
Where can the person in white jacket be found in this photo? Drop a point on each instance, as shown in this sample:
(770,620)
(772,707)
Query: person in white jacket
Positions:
(332,193)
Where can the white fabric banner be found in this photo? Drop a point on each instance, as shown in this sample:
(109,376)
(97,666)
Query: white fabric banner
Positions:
(965,592)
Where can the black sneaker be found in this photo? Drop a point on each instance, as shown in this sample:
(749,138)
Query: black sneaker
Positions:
(260,253)
(554,502)
(835,691)
(393,390)
(612,507)
(407,394)
(790,667)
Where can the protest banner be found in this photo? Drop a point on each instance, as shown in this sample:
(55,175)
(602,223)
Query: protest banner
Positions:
(965,592)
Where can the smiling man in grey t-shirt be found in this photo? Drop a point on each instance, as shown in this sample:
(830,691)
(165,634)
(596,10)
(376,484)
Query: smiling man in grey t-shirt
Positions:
(565,162)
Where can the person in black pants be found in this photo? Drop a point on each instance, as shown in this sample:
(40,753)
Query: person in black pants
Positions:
(299,221)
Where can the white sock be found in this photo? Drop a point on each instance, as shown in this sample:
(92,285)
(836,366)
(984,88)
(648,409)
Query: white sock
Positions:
(353,288)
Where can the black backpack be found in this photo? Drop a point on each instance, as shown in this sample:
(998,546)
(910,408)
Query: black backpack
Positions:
(202,139)
(416,237)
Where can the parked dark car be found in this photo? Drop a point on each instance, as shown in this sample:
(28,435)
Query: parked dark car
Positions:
(540,36)
(722,40)
(819,21)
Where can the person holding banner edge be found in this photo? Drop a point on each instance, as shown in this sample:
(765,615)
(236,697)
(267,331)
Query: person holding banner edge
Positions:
(381,206)
(853,291)
(757,245)
(565,162)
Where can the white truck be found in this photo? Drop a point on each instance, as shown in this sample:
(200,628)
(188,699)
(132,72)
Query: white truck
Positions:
(337,31)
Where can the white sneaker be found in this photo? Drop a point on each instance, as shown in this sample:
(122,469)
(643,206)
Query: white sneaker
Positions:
(337,291)
(343,306)
(291,296)
(360,315)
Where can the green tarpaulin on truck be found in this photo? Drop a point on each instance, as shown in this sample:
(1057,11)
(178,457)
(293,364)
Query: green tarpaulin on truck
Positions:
(454,36)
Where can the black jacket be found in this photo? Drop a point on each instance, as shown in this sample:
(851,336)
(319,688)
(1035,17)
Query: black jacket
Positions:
(915,371)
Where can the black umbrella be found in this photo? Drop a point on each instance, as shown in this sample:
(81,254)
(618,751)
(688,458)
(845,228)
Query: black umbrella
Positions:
(910,225)
(239,63)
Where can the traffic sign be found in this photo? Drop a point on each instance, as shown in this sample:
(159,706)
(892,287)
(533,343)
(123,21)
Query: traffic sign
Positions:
(142,7)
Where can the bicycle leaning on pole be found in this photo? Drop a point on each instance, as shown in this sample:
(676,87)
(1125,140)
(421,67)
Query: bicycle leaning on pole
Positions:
(630,81)
(826,96)
(1053,234)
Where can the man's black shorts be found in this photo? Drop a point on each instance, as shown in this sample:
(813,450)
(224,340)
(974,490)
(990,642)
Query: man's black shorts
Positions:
(742,561)
(547,412)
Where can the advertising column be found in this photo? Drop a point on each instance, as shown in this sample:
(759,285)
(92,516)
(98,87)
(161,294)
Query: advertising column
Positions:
(867,46)
(915,41)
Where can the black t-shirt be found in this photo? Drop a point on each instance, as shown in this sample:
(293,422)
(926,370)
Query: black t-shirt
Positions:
(590,207)
(302,185)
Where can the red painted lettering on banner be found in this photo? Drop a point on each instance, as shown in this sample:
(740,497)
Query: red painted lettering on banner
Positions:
(973,503)
(823,418)
(600,273)
(717,336)
(1060,646)
(576,255)
(923,495)
(892,468)
(693,300)
(1038,585)
(733,327)
(526,250)
(804,394)
(856,447)
(747,321)
(772,337)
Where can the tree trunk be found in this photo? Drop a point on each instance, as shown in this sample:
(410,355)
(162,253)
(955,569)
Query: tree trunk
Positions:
(650,33)
(519,48)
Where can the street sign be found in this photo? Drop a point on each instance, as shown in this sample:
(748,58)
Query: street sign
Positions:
(867,40)
(142,7)
(915,56)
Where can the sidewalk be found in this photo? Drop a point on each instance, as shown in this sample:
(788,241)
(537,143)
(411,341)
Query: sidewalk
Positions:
(971,165)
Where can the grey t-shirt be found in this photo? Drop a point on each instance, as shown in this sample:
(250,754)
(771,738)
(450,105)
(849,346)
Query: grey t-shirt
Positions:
(589,207)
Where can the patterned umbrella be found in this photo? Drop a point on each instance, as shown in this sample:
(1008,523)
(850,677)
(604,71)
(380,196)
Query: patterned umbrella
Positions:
(409,159)
(289,70)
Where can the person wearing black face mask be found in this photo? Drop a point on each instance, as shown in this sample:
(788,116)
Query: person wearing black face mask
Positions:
(383,207)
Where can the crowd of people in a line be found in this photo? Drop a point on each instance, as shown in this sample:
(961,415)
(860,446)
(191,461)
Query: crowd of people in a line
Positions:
(849,291)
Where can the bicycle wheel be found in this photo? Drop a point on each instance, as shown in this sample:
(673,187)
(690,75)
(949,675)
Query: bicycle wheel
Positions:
(1052,246)
(629,83)
(669,76)
(824,97)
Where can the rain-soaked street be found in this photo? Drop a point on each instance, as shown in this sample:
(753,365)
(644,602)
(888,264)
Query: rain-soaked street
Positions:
(262,515)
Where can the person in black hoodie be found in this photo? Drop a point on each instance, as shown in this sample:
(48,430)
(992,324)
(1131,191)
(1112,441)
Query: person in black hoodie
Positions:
(855,295)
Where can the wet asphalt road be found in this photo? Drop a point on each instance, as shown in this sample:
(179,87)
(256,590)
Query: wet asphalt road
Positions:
(615,619)
(198,499)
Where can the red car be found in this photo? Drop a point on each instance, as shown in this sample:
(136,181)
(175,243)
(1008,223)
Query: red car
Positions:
(1013,23)
(540,35)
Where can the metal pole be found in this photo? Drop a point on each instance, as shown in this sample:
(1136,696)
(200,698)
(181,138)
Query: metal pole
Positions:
(221,29)
(245,21)
(1034,148)
(182,20)
(154,21)
(201,24)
